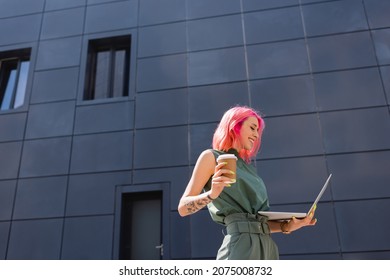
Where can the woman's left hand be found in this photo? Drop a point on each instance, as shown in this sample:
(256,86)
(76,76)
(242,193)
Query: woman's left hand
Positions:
(295,224)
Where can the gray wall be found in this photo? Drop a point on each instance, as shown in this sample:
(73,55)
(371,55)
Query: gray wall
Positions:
(319,71)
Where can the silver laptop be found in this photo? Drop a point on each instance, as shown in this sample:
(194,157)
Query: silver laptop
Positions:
(288,215)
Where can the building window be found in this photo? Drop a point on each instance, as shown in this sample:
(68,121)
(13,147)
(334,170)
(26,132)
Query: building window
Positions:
(108,67)
(14,66)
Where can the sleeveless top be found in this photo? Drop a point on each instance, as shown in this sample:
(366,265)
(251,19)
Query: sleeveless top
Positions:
(247,195)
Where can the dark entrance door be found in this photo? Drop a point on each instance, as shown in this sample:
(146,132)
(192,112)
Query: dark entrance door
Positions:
(141,236)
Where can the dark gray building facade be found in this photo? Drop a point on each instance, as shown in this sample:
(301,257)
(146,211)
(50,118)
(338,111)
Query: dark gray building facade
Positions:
(106,105)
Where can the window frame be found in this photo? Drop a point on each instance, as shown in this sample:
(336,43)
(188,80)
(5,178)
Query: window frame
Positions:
(112,45)
(12,60)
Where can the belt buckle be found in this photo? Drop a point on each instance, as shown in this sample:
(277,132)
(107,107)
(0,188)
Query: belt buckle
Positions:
(261,228)
(264,228)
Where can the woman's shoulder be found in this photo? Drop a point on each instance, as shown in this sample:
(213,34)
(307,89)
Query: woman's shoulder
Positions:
(211,154)
(206,162)
(208,154)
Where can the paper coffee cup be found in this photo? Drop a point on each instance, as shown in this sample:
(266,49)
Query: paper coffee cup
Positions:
(231,164)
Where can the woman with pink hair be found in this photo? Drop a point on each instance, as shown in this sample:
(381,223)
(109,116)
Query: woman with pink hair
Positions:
(235,202)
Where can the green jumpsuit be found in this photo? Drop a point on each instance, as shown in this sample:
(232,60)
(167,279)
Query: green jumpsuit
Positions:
(248,234)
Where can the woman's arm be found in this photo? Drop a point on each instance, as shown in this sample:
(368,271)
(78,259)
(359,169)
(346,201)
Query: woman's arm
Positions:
(193,200)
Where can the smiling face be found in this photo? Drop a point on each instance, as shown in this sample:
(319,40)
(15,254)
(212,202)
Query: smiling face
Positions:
(249,133)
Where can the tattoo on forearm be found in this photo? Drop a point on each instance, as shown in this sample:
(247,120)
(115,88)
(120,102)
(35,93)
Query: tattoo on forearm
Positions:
(195,205)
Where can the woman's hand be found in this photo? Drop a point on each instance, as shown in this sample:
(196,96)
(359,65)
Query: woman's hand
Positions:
(219,180)
(295,224)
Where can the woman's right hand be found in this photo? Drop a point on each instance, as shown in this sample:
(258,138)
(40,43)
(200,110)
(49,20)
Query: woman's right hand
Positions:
(219,180)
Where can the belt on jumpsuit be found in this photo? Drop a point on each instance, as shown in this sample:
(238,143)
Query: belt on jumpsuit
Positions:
(246,223)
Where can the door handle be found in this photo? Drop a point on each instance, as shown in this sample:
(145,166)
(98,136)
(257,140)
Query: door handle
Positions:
(161,248)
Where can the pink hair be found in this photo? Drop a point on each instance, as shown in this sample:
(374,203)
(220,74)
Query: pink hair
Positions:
(227,134)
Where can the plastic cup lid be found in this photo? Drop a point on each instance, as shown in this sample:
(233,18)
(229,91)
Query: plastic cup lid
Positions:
(226,156)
